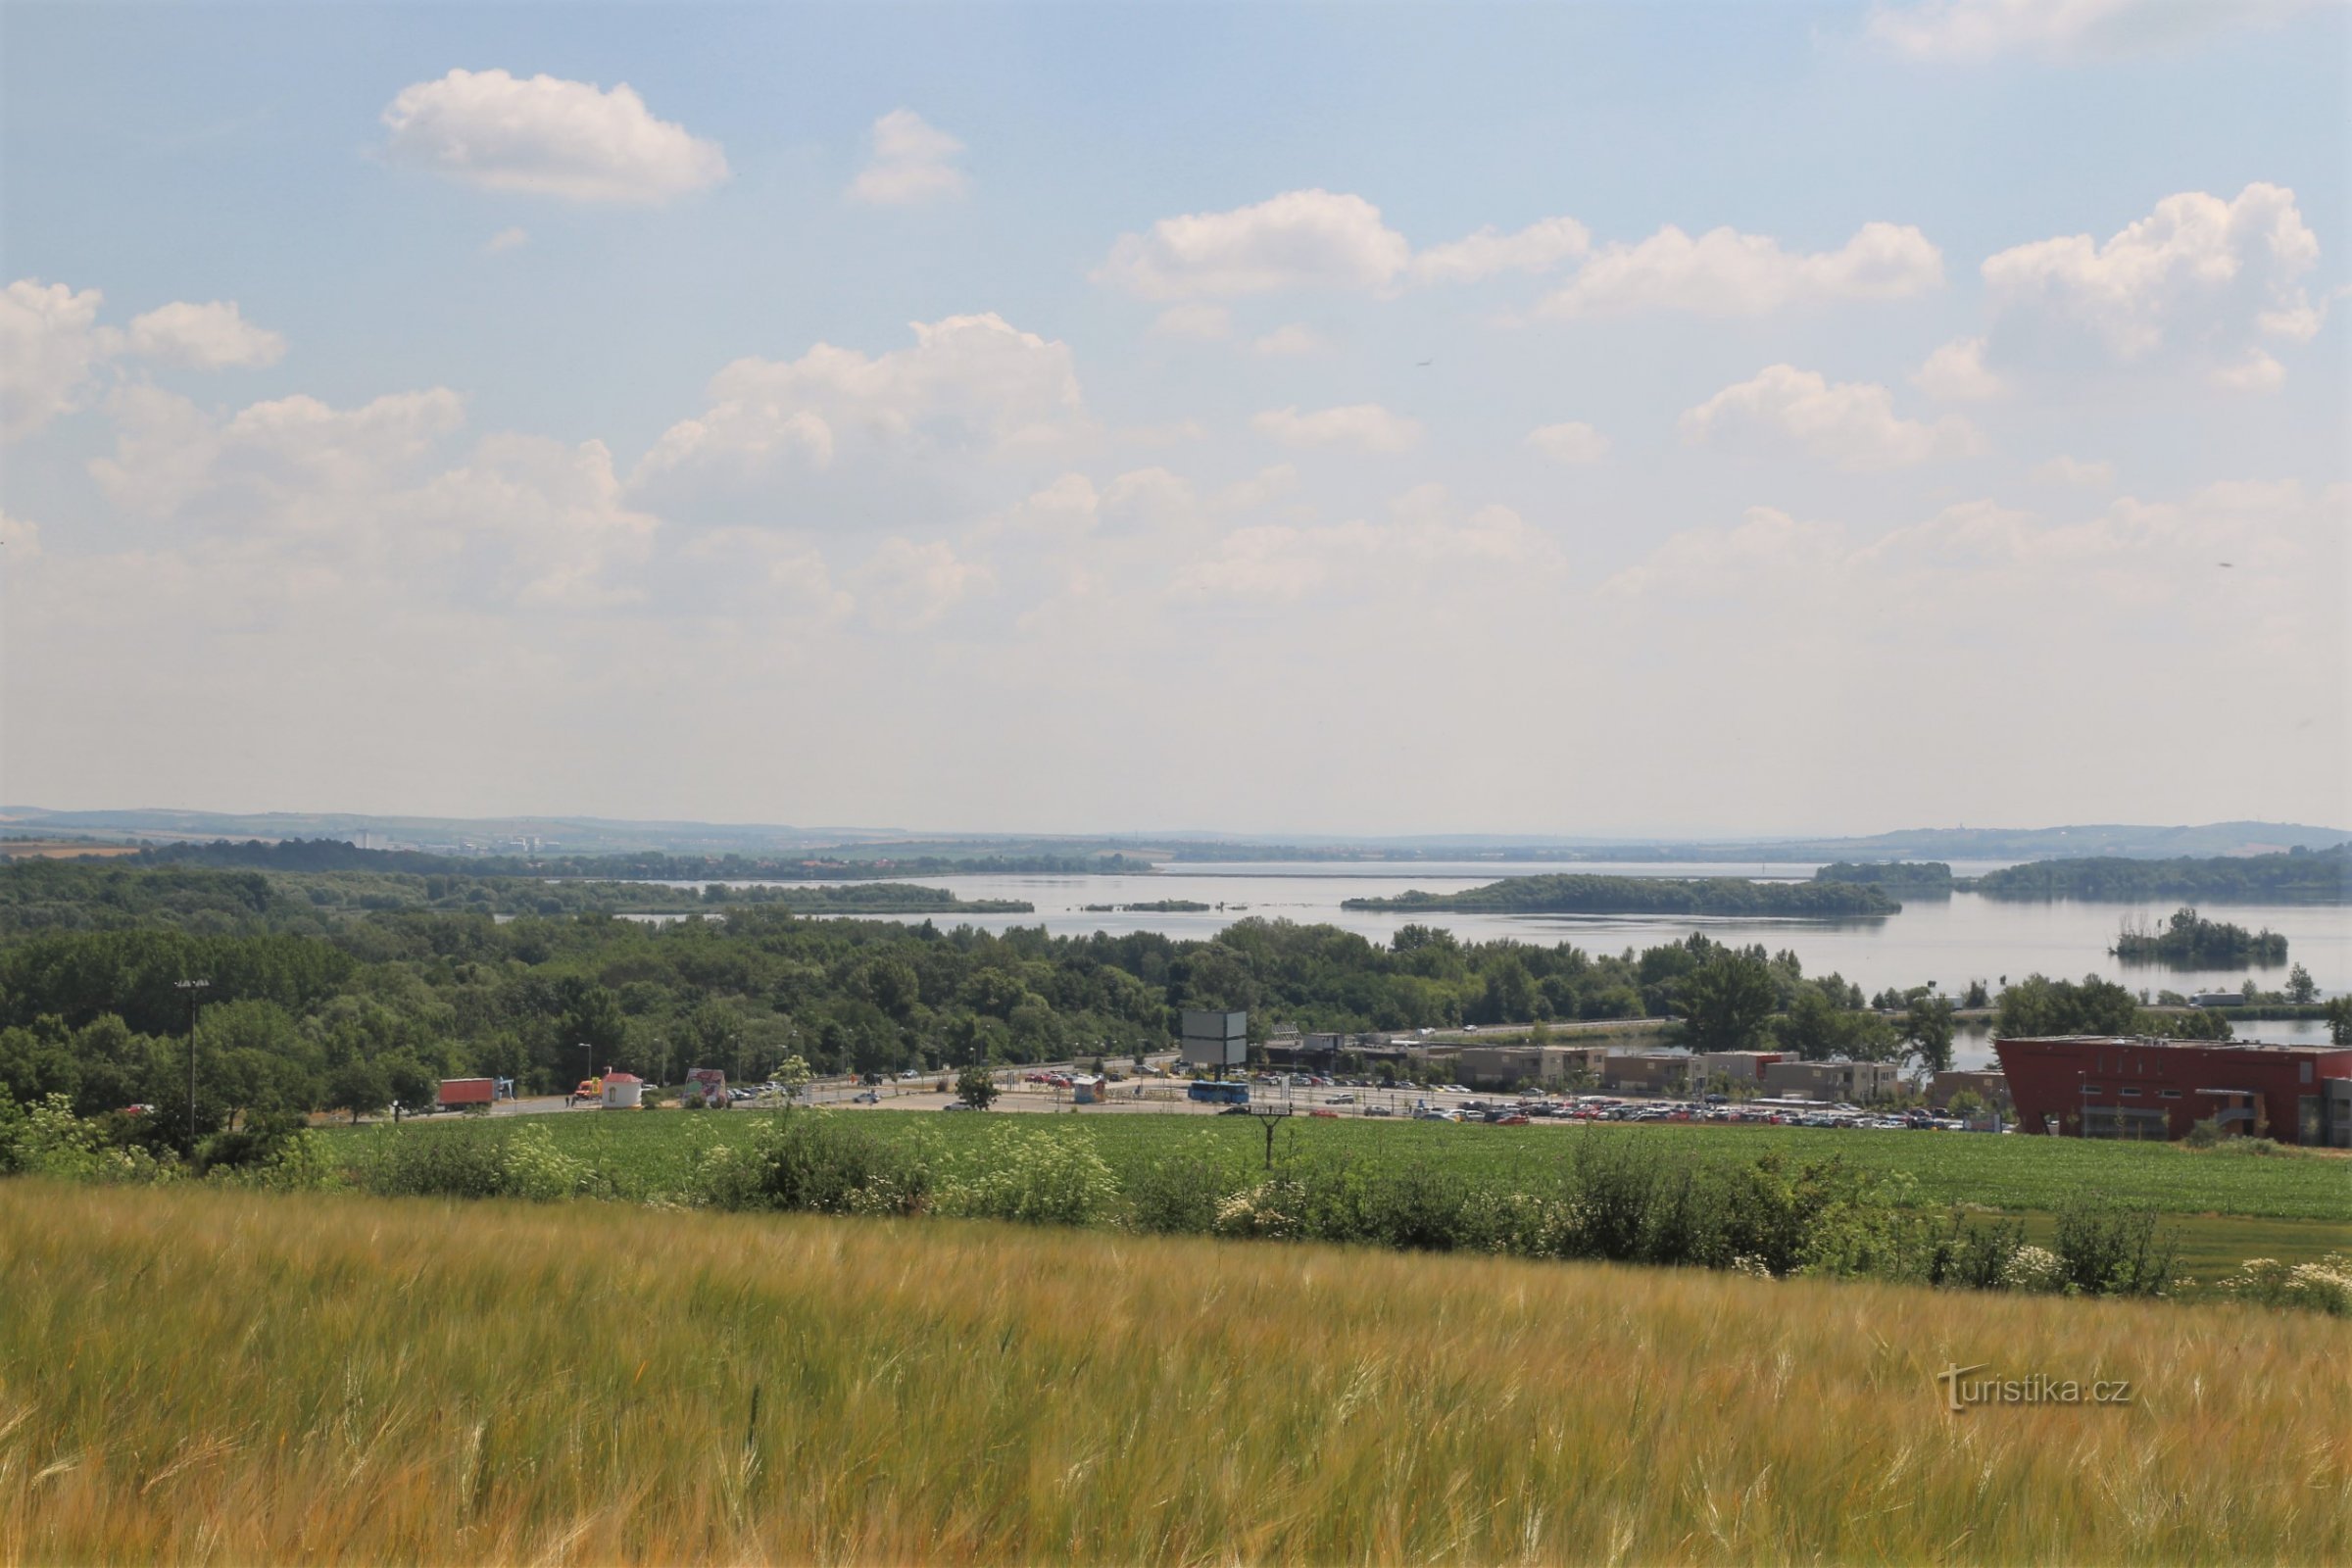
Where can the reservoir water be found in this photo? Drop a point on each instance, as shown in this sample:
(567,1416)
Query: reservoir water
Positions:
(1948,942)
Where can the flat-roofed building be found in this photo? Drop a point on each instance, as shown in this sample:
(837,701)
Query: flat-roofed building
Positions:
(1857,1082)
(2110,1086)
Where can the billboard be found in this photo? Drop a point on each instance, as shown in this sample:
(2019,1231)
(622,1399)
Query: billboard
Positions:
(1215,1038)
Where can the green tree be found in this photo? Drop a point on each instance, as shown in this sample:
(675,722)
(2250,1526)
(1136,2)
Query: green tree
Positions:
(1725,1000)
(2301,990)
(1927,1032)
(2339,1020)
(977,1087)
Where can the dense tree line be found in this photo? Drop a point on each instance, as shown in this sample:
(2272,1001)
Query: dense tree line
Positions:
(50,895)
(1926,879)
(2298,876)
(312,1007)
(339,855)
(1572,894)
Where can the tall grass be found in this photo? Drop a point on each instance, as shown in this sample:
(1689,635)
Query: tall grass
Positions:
(195,1375)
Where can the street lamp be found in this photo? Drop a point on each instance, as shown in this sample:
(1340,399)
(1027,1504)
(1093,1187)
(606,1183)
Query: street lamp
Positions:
(194,991)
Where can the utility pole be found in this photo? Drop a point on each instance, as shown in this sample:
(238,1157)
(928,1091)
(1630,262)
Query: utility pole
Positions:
(194,991)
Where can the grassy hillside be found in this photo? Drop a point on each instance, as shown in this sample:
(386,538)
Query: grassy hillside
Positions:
(201,1374)
(651,1155)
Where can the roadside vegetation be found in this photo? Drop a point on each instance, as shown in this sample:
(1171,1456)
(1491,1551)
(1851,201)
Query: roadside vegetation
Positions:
(805,1389)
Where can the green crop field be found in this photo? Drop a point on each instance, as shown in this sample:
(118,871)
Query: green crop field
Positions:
(652,1155)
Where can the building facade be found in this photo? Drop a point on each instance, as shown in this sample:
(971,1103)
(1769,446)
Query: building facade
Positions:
(1857,1082)
(2106,1086)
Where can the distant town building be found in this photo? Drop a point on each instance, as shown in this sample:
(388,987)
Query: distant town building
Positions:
(1508,1067)
(2109,1086)
(1992,1086)
(1856,1082)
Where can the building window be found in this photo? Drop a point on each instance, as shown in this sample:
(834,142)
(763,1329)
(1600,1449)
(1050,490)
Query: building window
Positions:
(2169,1094)
(2093,1089)
(2129,1093)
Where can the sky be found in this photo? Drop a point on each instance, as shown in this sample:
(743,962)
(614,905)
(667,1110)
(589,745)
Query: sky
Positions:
(1551,420)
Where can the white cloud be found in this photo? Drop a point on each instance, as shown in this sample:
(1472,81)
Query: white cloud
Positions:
(210,337)
(907,585)
(1725,272)
(511,238)
(1852,423)
(547,136)
(778,571)
(1299,240)
(1354,428)
(968,384)
(2064,470)
(19,541)
(1728,562)
(1425,545)
(544,522)
(1570,442)
(270,465)
(1974,30)
(1956,372)
(49,345)
(1287,342)
(2196,271)
(913,162)
(2256,372)
(1205,322)
(1537,248)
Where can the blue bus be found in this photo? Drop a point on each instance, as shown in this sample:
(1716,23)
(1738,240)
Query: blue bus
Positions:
(1218,1093)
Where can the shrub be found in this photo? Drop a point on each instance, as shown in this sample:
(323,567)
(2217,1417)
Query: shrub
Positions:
(2032,1268)
(1039,1179)
(818,1161)
(1180,1194)
(2322,1286)
(2104,1251)
(470,1162)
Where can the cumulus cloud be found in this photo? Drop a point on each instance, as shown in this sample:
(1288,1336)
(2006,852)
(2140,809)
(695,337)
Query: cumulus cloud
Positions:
(1425,543)
(270,464)
(1956,372)
(1204,322)
(547,136)
(2197,271)
(1975,30)
(1850,423)
(1299,240)
(1354,428)
(913,162)
(969,384)
(2064,470)
(2256,372)
(1725,272)
(1571,442)
(513,239)
(19,541)
(1287,342)
(49,345)
(209,337)
(1766,541)
(907,585)
(1538,248)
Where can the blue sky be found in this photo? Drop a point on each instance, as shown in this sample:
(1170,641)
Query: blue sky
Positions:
(1830,376)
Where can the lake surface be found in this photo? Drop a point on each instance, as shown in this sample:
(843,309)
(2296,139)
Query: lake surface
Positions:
(1948,942)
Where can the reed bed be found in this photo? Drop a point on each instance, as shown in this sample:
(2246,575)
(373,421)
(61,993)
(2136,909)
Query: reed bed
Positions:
(206,1375)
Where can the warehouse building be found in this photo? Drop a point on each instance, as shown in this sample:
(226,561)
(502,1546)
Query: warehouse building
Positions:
(2107,1086)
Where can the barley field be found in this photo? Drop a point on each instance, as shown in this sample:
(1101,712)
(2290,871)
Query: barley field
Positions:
(206,1375)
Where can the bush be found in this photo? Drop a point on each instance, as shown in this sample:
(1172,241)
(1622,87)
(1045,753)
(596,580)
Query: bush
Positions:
(818,1161)
(474,1161)
(1181,1193)
(2104,1251)
(2322,1286)
(1039,1179)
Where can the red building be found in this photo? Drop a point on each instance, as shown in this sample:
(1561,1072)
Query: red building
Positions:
(2105,1086)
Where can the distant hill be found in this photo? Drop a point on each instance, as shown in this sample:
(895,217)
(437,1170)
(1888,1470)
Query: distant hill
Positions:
(541,836)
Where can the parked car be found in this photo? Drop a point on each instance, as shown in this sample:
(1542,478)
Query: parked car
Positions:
(867,1097)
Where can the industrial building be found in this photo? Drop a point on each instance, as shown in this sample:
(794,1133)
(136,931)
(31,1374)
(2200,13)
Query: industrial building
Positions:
(1988,1085)
(1510,1066)
(1856,1082)
(2107,1086)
